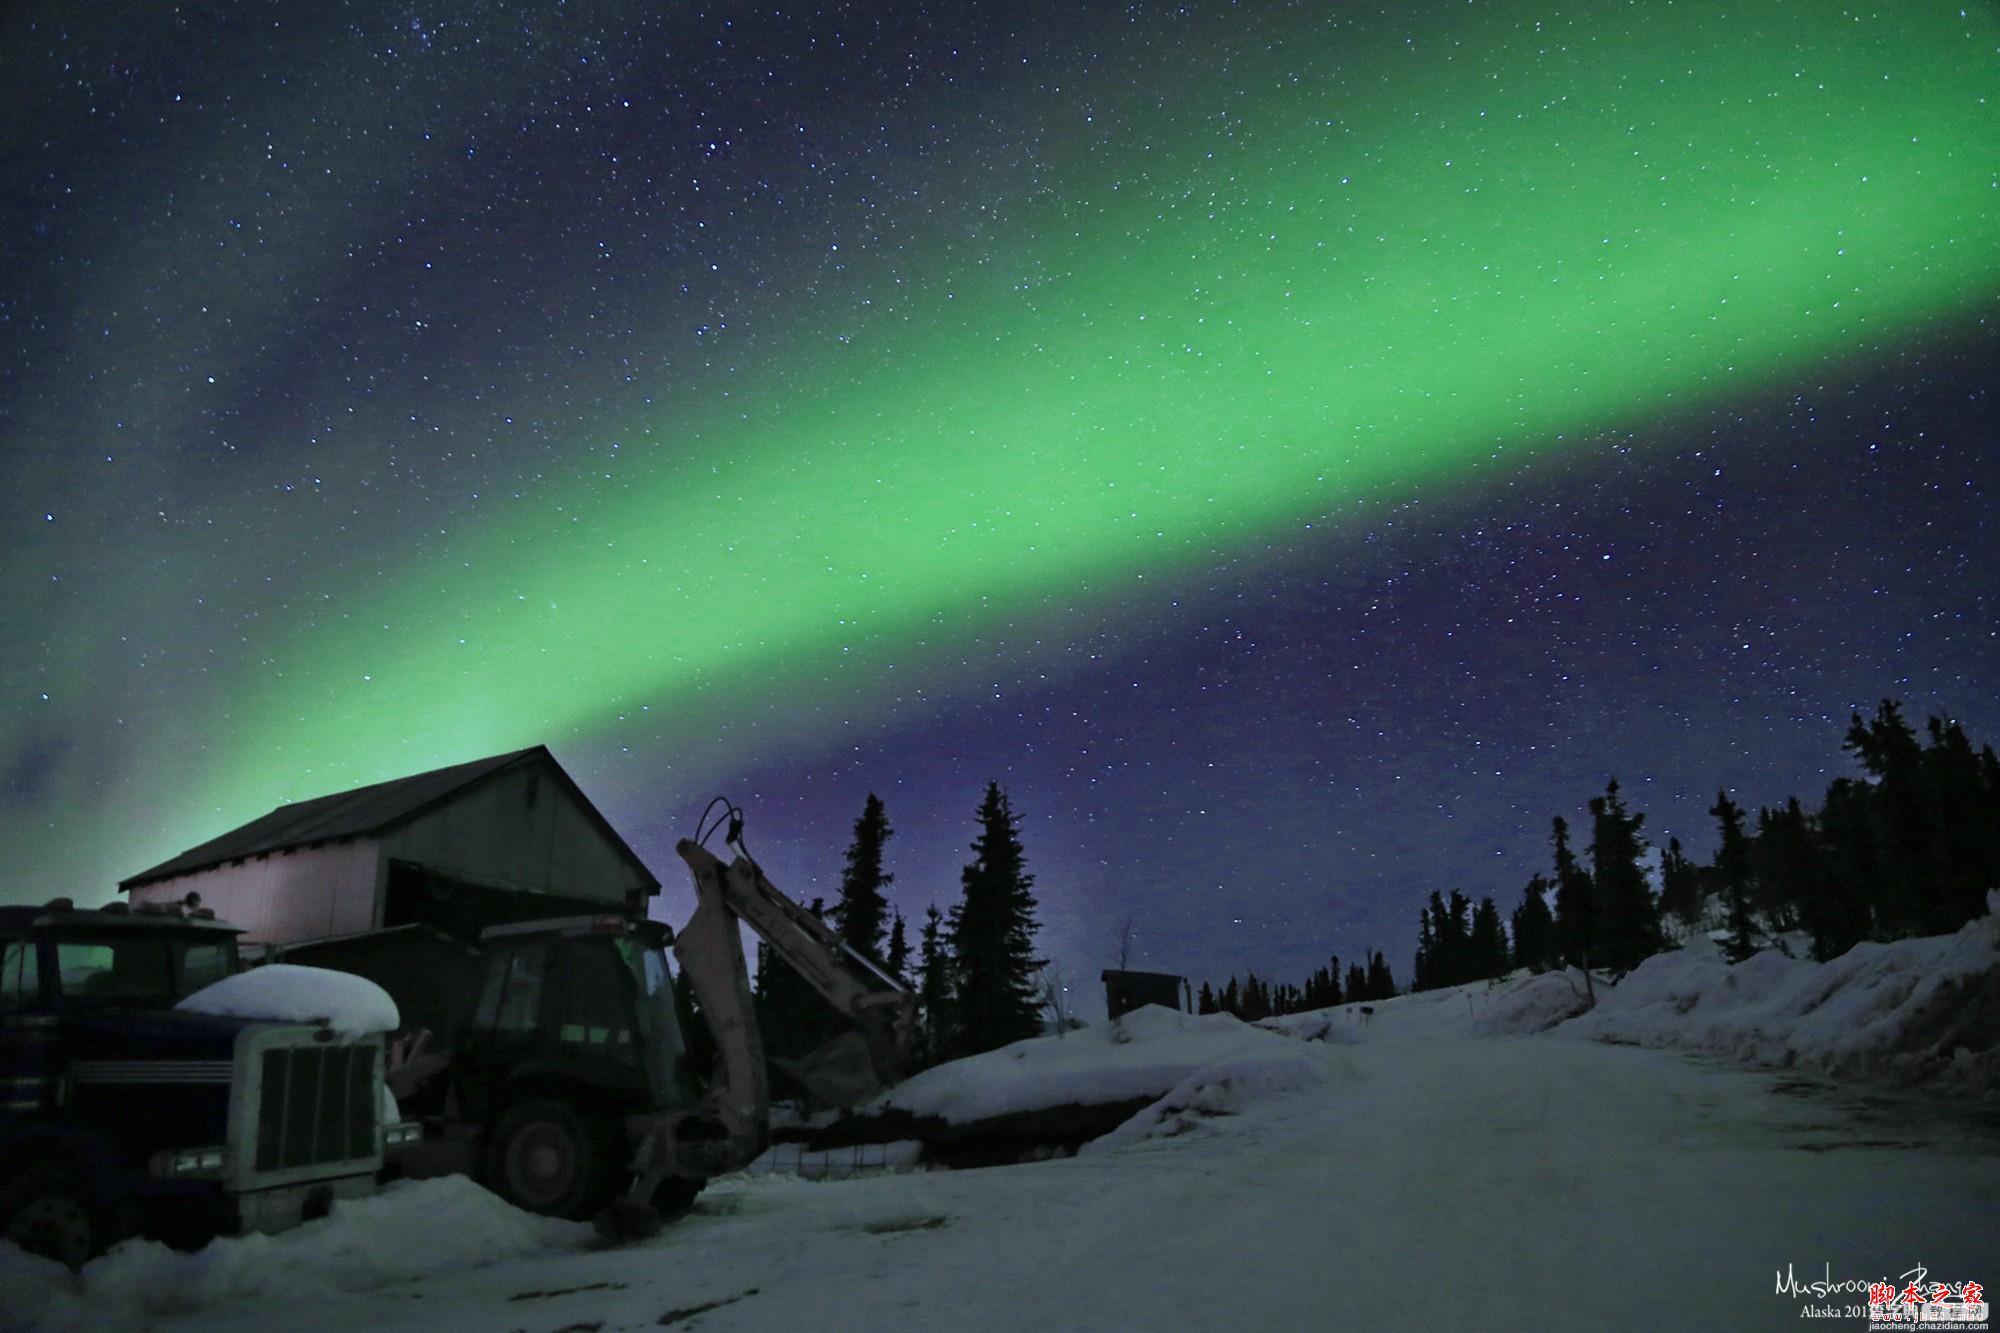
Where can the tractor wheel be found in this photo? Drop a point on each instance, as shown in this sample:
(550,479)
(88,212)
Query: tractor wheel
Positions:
(47,1211)
(545,1156)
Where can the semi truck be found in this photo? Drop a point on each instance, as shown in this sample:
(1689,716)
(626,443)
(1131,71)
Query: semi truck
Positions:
(120,1114)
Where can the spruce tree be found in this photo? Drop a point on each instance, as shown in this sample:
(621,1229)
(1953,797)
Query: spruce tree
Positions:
(934,987)
(1256,1004)
(1963,853)
(1732,864)
(1381,985)
(1627,919)
(1680,892)
(1457,940)
(1780,868)
(862,912)
(898,957)
(1489,941)
(1789,859)
(1357,984)
(1534,929)
(992,935)
(1854,857)
(1910,852)
(1887,747)
(1576,930)
(1446,952)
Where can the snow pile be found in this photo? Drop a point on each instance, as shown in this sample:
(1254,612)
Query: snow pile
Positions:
(38,1293)
(288,993)
(412,1229)
(1330,1025)
(861,1159)
(1224,1088)
(1532,1004)
(1484,1007)
(1145,1054)
(1904,1012)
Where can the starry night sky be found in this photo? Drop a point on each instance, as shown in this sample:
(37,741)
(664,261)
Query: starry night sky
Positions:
(1297,451)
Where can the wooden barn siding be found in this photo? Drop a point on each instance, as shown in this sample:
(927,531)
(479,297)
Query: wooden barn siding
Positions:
(495,834)
(286,896)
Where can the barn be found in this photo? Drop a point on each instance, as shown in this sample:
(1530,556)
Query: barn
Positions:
(451,851)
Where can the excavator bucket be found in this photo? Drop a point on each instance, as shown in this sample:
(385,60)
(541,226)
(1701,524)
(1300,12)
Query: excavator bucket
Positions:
(841,1072)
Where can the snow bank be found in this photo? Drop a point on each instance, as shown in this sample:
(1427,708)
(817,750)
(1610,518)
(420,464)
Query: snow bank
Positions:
(1147,1053)
(38,1293)
(1901,1012)
(1532,1004)
(1224,1088)
(1518,1002)
(861,1159)
(1330,1025)
(412,1229)
(289,993)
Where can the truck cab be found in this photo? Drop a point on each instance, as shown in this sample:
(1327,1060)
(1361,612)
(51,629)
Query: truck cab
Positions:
(120,1114)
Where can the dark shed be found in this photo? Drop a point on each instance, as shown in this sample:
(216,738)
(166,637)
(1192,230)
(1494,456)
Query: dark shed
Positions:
(1126,991)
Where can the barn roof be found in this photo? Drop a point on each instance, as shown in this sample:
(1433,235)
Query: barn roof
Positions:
(370,810)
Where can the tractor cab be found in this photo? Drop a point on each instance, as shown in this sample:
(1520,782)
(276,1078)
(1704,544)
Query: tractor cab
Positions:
(581,1007)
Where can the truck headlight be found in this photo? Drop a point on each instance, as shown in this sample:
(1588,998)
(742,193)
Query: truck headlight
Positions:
(402,1135)
(183,1163)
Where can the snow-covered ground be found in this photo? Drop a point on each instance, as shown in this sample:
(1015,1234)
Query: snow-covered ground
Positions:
(1427,1165)
(1456,1182)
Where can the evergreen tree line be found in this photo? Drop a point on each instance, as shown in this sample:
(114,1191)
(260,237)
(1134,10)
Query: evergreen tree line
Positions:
(973,968)
(1256,999)
(1910,849)
(1601,914)
(1457,943)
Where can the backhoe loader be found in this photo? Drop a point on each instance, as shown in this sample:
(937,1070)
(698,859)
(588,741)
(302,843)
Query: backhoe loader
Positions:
(569,1091)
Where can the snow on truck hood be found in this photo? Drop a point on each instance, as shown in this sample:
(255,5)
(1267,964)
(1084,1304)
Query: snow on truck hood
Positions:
(289,993)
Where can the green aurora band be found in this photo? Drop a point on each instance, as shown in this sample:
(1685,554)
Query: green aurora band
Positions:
(1368,292)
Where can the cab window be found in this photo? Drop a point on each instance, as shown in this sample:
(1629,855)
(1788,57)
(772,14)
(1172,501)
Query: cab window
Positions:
(203,964)
(20,975)
(511,998)
(114,969)
(597,1007)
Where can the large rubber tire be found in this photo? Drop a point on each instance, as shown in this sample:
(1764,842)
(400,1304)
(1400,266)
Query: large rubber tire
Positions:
(547,1157)
(47,1211)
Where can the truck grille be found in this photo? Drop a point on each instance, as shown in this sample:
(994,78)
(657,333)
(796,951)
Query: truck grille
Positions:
(317,1105)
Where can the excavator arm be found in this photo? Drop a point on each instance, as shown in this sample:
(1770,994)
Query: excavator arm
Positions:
(710,951)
